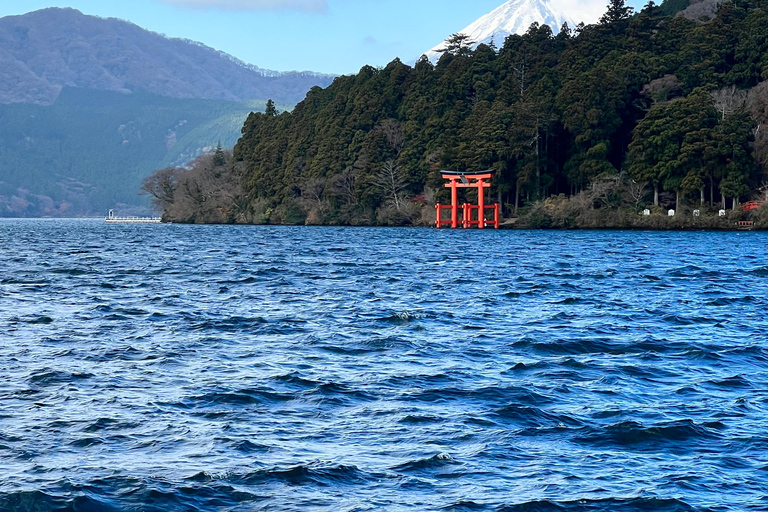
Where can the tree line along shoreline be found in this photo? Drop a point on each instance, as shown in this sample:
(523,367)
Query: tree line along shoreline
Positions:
(585,129)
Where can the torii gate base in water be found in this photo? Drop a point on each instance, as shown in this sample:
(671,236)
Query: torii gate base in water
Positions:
(478,180)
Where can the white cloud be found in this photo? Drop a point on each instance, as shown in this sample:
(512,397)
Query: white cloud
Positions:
(315,6)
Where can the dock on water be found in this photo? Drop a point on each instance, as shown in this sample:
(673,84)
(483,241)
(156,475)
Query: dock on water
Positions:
(112,219)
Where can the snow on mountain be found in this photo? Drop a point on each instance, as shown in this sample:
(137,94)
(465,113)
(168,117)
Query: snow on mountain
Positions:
(514,17)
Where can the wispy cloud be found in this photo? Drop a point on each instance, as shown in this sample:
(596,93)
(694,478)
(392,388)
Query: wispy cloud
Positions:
(312,6)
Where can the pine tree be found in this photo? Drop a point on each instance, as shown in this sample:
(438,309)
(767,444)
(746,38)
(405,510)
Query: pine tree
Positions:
(219,158)
(458,44)
(271,110)
(617,11)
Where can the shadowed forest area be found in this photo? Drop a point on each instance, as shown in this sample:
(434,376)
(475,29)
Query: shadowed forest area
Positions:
(661,109)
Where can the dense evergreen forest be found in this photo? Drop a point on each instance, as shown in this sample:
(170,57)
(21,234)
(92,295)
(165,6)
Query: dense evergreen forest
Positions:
(639,110)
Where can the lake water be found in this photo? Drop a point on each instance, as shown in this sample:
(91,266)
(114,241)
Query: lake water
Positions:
(184,368)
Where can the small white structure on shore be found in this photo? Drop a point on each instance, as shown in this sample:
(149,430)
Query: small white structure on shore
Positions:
(697,213)
(671,213)
(646,212)
(722,213)
(111,219)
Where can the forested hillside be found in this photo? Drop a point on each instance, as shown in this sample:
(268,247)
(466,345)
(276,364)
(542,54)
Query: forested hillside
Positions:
(89,151)
(666,108)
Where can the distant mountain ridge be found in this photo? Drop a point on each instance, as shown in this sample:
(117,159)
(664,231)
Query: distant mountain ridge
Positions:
(513,17)
(44,51)
(90,106)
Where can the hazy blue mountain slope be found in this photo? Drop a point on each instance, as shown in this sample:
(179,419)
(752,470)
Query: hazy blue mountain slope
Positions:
(90,150)
(43,51)
(89,106)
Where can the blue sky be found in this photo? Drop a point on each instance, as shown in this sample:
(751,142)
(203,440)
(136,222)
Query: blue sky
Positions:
(330,36)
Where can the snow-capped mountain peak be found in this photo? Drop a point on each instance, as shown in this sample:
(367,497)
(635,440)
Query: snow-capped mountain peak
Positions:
(514,17)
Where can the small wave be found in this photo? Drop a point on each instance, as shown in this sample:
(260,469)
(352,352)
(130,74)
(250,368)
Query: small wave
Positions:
(295,380)
(369,345)
(573,301)
(728,301)
(466,506)
(739,354)
(86,442)
(568,347)
(736,381)
(403,317)
(602,505)
(702,353)
(127,353)
(534,416)
(682,320)
(245,280)
(33,320)
(337,392)
(759,271)
(48,376)
(500,394)
(102,424)
(230,324)
(270,271)
(415,419)
(691,271)
(321,473)
(632,433)
(522,367)
(241,397)
(436,461)
(243,445)
(71,271)
(24,501)
(568,276)
(25,282)
(31,500)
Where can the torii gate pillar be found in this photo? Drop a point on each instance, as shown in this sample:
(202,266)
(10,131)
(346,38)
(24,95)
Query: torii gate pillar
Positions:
(478,180)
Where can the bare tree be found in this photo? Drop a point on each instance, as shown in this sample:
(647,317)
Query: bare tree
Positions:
(313,197)
(699,10)
(757,102)
(161,185)
(635,190)
(210,189)
(728,100)
(313,189)
(342,186)
(390,183)
(393,130)
(663,88)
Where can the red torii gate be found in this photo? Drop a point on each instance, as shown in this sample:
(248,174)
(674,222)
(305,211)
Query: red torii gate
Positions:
(478,180)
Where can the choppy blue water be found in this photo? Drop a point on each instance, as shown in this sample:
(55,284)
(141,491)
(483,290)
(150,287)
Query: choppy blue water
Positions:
(183,368)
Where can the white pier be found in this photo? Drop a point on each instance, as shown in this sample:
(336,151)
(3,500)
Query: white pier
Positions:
(111,219)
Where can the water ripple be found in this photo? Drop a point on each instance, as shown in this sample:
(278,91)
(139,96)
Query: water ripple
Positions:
(195,368)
